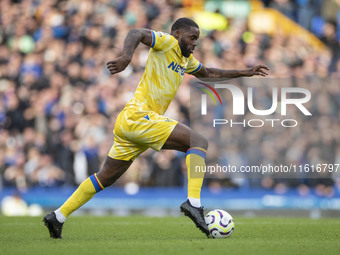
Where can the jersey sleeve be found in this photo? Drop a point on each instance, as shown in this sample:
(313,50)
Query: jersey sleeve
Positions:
(162,41)
(193,65)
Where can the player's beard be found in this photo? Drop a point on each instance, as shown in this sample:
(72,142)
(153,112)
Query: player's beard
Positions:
(184,49)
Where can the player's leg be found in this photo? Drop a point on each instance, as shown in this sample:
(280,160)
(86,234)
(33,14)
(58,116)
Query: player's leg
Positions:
(160,132)
(119,158)
(110,172)
(195,145)
(182,138)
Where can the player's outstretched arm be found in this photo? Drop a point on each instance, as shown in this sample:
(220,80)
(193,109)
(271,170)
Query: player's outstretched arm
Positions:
(214,73)
(132,40)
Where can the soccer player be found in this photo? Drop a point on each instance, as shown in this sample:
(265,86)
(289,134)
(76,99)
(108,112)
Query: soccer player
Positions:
(141,124)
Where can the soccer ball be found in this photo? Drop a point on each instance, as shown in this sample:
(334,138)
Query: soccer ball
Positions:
(220,223)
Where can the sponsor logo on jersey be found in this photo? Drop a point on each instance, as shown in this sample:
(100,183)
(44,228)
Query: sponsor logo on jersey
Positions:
(177,68)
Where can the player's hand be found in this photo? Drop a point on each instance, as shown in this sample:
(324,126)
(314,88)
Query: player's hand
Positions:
(119,64)
(257,70)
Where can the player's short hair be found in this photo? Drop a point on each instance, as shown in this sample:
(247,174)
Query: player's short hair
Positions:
(184,23)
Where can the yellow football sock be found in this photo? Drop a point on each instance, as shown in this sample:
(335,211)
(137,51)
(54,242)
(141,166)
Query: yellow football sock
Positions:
(195,161)
(86,190)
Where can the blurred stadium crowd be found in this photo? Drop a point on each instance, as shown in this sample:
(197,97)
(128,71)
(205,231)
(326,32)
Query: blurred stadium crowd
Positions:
(58,103)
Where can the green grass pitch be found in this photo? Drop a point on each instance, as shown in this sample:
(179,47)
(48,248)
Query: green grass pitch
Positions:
(137,235)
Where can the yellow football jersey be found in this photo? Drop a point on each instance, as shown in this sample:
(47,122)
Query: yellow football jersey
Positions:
(163,73)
